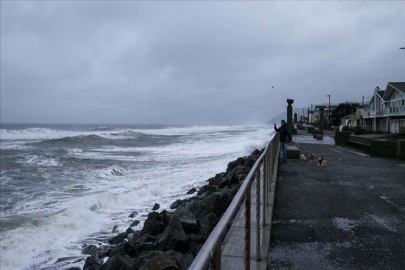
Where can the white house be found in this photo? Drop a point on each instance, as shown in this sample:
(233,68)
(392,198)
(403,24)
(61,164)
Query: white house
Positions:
(386,109)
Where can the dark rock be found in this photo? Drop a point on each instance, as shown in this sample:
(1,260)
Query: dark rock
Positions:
(161,262)
(187,220)
(136,222)
(195,239)
(156,207)
(173,255)
(150,254)
(104,251)
(129,248)
(184,202)
(153,224)
(118,238)
(207,224)
(241,177)
(208,189)
(191,191)
(133,214)
(90,250)
(174,237)
(74,268)
(235,163)
(230,179)
(186,261)
(214,181)
(115,229)
(130,230)
(216,202)
(194,250)
(176,204)
(119,262)
(241,170)
(250,161)
(166,216)
(91,263)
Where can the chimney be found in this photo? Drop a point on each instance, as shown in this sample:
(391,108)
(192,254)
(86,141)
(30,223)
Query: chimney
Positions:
(376,89)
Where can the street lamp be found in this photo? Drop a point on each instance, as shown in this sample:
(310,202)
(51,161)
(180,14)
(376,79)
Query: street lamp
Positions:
(329,112)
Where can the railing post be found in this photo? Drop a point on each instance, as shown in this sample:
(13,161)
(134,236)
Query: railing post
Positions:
(264,198)
(258,214)
(216,258)
(247,228)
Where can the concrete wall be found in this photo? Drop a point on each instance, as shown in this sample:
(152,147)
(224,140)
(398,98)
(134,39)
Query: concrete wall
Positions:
(401,149)
(383,148)
(341,137)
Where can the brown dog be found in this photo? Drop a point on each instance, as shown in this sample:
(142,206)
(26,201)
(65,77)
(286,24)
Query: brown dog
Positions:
(322,162)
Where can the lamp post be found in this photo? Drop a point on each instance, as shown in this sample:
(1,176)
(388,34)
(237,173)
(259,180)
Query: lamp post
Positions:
(329,112)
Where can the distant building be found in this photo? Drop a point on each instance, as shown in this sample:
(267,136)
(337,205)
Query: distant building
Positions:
(386,110)
(315,115)
(350,120)
(344,109)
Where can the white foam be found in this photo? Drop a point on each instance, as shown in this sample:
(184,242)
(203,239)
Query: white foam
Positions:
(41,161)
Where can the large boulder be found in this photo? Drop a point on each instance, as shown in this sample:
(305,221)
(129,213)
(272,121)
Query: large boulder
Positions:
(92,263)
(230,179)
(185,261)
(233,164)
(174,237)
(207,224)
(241,170)
(118,238)
(161,262)
(208,189)
(191,191)
(187,220)
(90,250)
(154,224)
(129,248)
(118,262)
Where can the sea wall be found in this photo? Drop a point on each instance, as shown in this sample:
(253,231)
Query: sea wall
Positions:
(171,239)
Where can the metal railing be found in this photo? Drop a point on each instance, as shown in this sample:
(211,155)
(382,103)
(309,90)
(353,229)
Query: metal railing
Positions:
(387,111)
(210,254)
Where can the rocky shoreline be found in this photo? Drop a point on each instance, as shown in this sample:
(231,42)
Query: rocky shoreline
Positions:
(170,240)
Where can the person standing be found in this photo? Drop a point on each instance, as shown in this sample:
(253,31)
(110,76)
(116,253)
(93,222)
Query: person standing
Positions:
(283,138)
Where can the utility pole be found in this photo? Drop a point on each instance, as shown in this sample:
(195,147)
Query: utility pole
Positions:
(329,113)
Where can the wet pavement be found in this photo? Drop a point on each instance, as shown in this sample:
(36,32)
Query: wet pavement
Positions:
(349,215)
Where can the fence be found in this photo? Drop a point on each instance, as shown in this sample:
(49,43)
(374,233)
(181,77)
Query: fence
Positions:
(240,238)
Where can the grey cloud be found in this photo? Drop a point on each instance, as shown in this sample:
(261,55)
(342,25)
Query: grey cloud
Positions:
(191,62)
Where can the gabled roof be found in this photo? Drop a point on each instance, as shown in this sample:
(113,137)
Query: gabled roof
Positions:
(381,93)
(391,87)
(398,85)
(351,116)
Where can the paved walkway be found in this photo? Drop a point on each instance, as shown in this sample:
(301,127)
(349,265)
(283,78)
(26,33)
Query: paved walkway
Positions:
(350,215)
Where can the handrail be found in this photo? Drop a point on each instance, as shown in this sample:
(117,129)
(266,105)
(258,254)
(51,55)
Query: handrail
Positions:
(211,250)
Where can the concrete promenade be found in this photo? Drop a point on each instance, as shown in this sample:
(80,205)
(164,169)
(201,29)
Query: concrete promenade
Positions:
(349,215)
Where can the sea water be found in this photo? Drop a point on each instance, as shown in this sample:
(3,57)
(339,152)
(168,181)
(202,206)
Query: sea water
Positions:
(66,186)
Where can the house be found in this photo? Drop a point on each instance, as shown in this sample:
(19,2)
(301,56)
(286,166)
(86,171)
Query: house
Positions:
(386,110)
(350,120)
(342,110)
(315,115)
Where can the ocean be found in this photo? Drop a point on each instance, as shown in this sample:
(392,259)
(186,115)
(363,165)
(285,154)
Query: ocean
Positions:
(66,186)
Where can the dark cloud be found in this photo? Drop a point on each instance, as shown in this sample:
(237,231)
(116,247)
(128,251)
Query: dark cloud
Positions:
(191,62)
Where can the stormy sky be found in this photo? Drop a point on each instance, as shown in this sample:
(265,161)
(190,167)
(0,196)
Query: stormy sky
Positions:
(191,62)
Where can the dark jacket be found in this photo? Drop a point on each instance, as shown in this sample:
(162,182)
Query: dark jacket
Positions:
(283,133)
